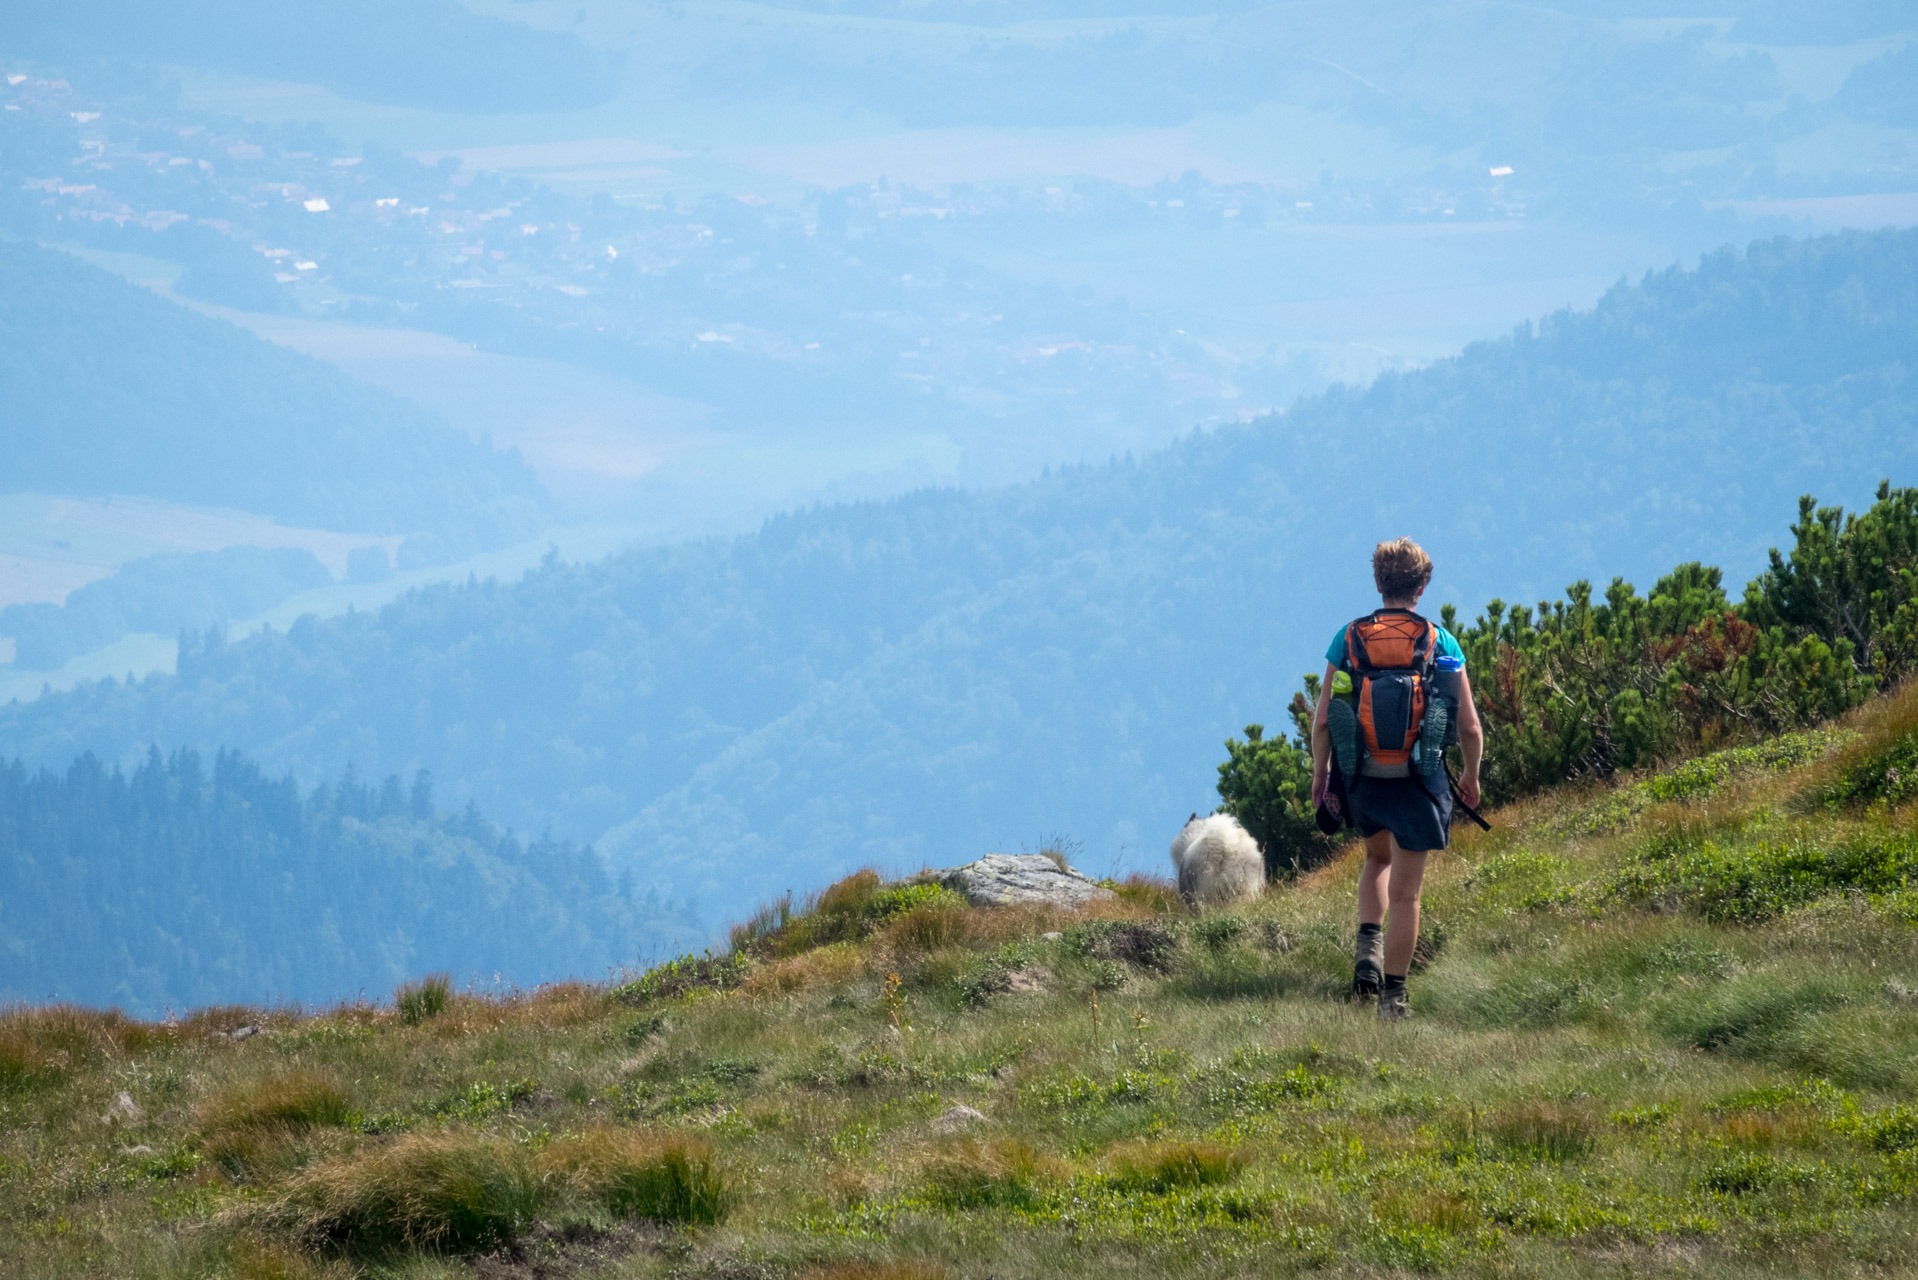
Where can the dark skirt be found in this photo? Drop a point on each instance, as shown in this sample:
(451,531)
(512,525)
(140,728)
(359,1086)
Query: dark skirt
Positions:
(1418,819)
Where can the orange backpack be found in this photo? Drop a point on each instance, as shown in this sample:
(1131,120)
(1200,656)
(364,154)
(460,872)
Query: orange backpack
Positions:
(1390,655)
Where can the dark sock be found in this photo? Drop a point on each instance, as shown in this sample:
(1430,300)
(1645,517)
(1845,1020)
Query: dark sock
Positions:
(1394,984)
(1367,930)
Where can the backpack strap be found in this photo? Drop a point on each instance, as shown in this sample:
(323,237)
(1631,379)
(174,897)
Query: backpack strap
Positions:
(1424,652)
(1427,651)
(1354,647)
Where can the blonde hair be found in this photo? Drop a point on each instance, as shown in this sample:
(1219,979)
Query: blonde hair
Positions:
(1400,569)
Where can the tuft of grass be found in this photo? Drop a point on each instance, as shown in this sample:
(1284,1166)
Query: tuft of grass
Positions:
(1142,944)
(296,1100)
(436,1192)
(1158,895)
(1542,1131)
(246,1125)
(21,1066)
(927,925)
(999,1174)
(1747,1014)
(252,1259)
(1161,1167)
(642,1175)
(1218,931)
(40,1046)
(424,1000)
(834,965)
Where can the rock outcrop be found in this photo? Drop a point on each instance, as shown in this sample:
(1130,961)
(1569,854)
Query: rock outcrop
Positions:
(1006,879)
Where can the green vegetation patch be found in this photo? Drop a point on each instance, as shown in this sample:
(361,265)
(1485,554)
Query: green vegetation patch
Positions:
(1888,776)
(1731,879)
(848,910)
(682,976)
(1522,880)
(1701,777)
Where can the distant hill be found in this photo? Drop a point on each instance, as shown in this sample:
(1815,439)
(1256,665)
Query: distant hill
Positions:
(181,884)
(163,594)
(110,389)
(923,679)
(415,53)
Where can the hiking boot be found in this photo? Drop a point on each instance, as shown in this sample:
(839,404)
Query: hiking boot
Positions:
(1392,1007)
(1368,966)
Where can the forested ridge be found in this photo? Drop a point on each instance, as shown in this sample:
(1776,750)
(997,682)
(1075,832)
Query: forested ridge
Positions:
(163,594)
(189,882)
(153,399)
(923,679)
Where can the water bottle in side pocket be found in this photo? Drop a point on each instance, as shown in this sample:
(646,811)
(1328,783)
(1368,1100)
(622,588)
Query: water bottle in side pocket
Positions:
(1446,680)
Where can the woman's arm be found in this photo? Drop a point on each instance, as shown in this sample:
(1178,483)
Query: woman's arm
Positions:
(1471,740)
(1322,739)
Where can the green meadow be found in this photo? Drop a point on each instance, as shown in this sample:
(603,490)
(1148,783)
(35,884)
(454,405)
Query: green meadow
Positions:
(1663,1027)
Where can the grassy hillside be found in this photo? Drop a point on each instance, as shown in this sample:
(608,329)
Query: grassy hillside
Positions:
(1666,1028)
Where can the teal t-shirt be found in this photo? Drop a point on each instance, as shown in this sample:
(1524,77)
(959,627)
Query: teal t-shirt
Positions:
(1447,647)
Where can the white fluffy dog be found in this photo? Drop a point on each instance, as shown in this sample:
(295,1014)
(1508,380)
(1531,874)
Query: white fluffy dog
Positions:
(1217,861)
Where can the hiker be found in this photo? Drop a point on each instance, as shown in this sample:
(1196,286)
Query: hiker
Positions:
(1395,693)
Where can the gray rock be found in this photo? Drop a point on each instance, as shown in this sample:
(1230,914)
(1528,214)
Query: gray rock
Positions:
(242,1033)
(959,1116)
(123,1107)
(1006,879)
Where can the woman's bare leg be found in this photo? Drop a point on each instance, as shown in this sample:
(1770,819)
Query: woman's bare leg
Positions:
(1406,878)
(1373,876)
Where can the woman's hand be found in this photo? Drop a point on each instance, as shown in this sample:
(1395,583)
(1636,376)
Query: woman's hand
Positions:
(1468,789)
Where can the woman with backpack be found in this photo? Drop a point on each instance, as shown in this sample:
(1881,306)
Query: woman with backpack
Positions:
(1395,694)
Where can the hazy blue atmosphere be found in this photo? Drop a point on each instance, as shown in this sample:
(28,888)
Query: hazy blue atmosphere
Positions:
(614,463)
